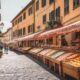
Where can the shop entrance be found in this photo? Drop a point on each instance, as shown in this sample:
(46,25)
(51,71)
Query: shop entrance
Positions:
(52,67)
(47,62)
(63,41)
(57,68)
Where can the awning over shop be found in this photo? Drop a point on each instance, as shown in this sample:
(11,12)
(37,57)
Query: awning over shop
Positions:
(75,27)
(28,37)
(11,42)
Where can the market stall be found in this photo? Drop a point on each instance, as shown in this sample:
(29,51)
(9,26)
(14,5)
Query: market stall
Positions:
(71,67)
(53,60)
(42,53)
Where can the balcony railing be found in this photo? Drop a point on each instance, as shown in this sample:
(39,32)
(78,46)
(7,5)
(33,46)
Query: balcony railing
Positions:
(55,23)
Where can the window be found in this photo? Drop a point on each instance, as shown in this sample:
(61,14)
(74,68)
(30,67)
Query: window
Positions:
(20,19)
(77,35)
(30,11)
(31,29)
(44,19)
(50,41)
(51,1)
(15,22)
(37,5)
(24,31)
(75,3)
(52,15)
(66,7)
(43,3)
(24,16)
(20,32)
(58,12)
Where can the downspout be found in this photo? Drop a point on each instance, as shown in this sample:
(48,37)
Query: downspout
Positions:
(54,7)
(34,19)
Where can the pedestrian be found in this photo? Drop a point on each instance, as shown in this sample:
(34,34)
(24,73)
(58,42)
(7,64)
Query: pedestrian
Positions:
(6,50)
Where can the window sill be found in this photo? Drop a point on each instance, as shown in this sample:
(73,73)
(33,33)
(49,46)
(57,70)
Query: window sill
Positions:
(76,7)
(65,14)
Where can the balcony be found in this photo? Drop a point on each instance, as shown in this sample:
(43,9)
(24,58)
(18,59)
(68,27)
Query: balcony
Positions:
(55,23)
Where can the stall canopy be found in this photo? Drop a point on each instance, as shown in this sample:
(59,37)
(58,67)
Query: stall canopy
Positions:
(11,42)
(28,37)
(75,27)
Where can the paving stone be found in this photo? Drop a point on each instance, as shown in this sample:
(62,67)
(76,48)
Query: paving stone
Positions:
(19,67)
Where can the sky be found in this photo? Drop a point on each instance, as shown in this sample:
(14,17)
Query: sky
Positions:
(9,9)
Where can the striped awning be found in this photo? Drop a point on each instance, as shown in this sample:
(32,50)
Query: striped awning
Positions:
(29,37)
(75,27)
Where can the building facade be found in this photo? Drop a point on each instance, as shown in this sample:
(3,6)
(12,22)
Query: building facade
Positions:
(7,36)
(43,15)
(23,23)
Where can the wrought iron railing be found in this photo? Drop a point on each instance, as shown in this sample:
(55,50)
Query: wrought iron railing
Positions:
(55,23)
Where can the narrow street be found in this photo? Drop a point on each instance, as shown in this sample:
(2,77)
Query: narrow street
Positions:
(20,67)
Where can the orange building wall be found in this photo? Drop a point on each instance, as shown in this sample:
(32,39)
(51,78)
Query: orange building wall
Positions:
(25,23)
(39,14)
(72,16)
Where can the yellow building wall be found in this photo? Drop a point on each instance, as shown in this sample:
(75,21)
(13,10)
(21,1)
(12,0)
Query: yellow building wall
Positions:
(25,23)
(72,16)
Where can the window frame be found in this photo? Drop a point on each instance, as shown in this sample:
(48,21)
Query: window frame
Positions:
(51,1)
(44,18)
(76,5)
(37,5)
(30,11)
(66,7)
(43,3)
(24,15)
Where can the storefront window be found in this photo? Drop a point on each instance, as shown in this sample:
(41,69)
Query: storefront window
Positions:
(49,41)
(77,35)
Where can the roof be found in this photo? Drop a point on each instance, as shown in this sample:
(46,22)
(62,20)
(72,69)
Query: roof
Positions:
(7,31)
(22,10)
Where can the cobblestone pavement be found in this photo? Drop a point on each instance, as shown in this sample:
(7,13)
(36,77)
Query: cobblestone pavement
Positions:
(20,67)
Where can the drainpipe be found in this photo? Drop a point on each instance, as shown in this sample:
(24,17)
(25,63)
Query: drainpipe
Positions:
(34,13)
(54,7)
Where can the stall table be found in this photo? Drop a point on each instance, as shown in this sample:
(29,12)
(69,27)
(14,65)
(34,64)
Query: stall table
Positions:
(71,68)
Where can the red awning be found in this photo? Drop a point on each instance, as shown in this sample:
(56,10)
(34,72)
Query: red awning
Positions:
(29,37)
(75,27)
